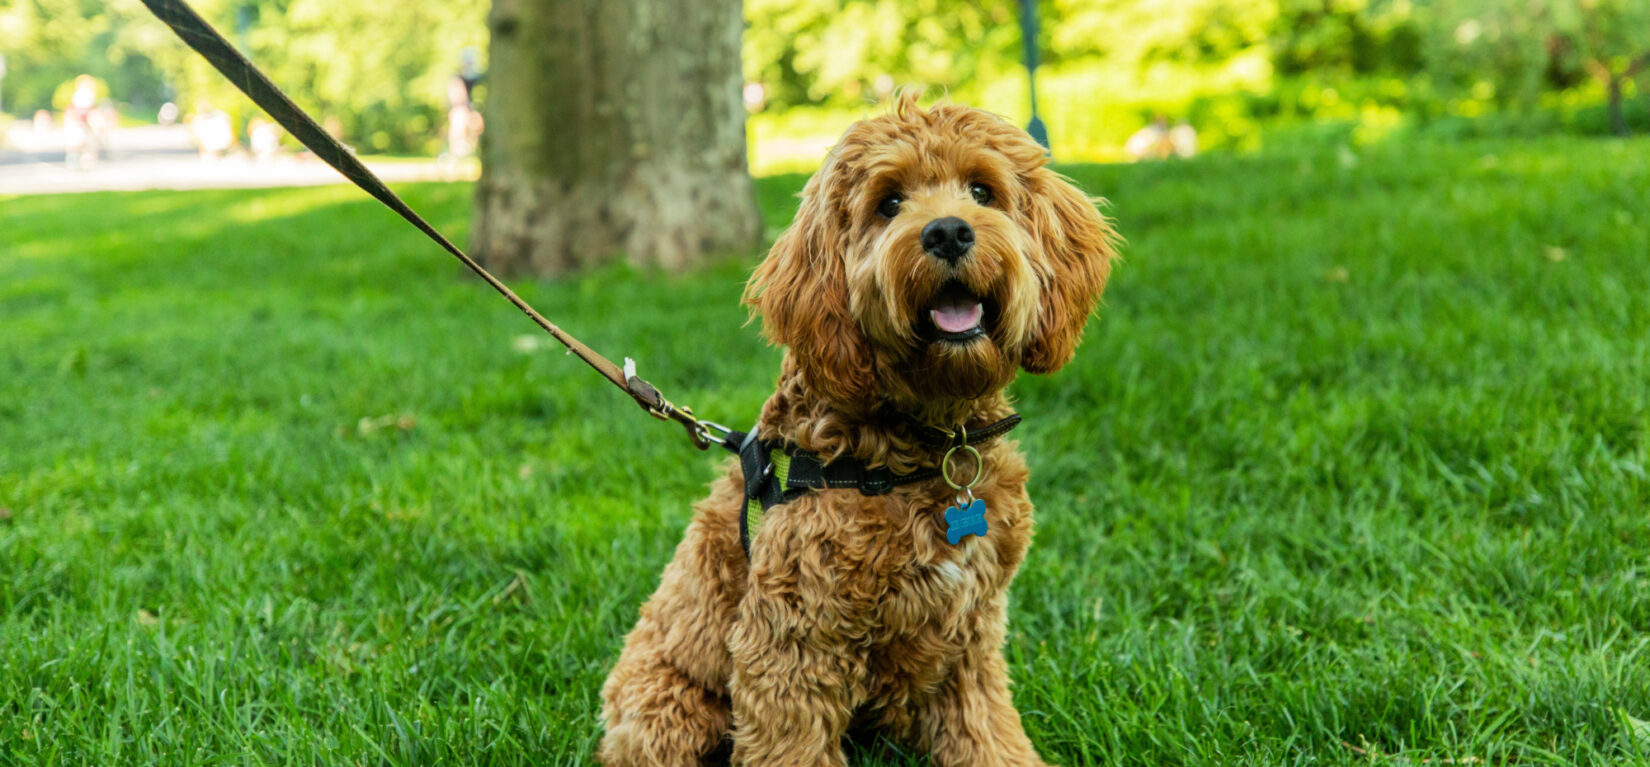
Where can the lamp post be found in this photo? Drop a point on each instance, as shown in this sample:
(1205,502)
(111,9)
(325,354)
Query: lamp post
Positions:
(1028,31)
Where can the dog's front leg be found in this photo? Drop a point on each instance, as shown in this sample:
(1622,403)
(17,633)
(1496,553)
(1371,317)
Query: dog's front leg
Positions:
(971,720)
(795,683)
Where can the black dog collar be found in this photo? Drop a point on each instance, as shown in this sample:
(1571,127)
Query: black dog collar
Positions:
(778,472)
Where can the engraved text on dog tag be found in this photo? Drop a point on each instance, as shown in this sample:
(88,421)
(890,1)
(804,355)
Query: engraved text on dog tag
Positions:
(961,523)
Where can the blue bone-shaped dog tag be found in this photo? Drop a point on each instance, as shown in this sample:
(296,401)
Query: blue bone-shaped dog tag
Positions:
(961,523)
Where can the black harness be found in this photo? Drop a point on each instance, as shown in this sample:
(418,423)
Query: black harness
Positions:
(778,472)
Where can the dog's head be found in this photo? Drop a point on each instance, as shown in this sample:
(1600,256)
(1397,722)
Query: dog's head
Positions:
(933,256)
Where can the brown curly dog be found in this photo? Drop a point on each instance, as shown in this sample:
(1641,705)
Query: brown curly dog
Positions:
(933,256)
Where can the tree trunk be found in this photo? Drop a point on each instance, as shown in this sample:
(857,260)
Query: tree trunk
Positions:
(1618,120)
(1613,84)
(613,129)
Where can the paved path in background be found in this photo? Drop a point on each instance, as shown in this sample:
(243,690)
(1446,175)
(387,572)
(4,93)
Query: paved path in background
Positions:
(162,157)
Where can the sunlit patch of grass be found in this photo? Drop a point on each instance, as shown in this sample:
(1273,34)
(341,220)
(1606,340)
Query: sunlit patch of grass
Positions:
(264,208)
(1351,469)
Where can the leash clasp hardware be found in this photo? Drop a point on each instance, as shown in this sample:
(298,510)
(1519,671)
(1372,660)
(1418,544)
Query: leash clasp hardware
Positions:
(654,402)
(700,432)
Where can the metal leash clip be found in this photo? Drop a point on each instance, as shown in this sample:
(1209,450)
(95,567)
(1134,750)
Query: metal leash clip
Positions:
(700,432)
(649,397)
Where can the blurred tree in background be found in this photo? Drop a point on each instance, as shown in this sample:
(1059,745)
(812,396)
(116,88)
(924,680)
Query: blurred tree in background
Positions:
(1232,67)
(1495,52)
(1350,37)
(613,127)
(1515,53)
(1611,40)
(824,51)
(379,67)
(48,42)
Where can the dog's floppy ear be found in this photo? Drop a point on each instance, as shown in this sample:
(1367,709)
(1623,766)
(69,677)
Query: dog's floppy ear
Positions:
(801,291)
(1077,246)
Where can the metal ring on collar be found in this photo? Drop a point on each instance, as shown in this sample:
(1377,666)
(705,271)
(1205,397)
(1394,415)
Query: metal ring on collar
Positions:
(945,468)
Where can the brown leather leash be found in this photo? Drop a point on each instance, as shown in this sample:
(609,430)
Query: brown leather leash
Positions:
(198,34)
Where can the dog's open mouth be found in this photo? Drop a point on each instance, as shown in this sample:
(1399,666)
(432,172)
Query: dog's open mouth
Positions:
(955,314)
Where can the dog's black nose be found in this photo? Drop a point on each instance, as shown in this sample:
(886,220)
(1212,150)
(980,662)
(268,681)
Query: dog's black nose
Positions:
(947,239)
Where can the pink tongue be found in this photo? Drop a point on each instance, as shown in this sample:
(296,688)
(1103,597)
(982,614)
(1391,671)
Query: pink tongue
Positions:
(956,319)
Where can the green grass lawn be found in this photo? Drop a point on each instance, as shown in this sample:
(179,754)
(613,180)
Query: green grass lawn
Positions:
(1352,469)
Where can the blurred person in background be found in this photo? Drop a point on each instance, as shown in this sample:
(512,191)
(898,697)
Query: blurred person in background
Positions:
(1151,142)
(42,122)
(105,119)
(1183,139)
(82,125)
(214,133)
(755,96)
(265,138)
(464,121)
(1158,141)
(334,127)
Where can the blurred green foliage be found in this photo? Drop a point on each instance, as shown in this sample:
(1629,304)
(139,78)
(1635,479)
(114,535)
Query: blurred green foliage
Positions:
(1231,67)
(1243,72)
(48,42)
(381,68)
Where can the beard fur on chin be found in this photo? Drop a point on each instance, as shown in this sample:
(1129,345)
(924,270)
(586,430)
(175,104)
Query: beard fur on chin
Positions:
(960,371)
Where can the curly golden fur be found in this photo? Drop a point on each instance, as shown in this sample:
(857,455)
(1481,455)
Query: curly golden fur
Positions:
(853,610)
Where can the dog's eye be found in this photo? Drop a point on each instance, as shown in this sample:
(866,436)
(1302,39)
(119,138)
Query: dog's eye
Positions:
(981,192)
(889,207)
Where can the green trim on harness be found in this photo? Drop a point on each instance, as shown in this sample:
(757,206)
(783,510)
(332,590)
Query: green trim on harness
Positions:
(781,465)
(781,462)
